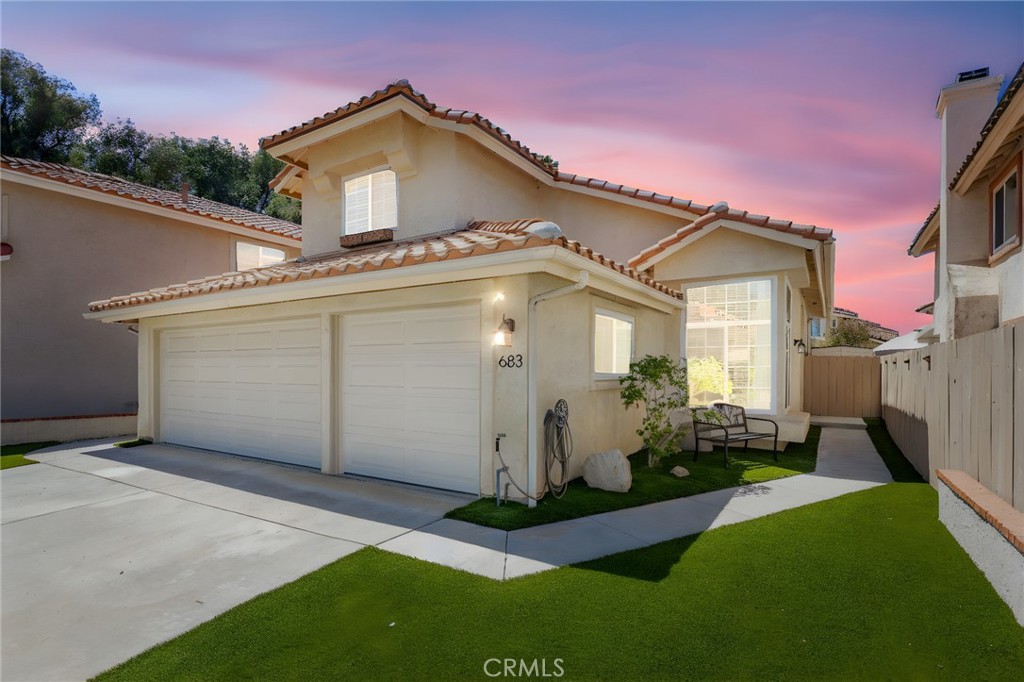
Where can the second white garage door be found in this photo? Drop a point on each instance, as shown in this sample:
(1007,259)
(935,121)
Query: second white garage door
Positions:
(411,396)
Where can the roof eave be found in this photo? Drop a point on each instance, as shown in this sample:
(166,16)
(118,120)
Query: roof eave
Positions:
(553,259)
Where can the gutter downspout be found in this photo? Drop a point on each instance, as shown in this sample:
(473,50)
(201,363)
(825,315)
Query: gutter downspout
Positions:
(531,381)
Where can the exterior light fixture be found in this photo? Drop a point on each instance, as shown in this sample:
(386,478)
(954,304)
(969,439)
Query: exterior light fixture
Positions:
(801,347)
(503,336)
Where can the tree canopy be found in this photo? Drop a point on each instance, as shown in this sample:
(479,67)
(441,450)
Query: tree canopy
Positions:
(47,119)
(849,332)
(41,116)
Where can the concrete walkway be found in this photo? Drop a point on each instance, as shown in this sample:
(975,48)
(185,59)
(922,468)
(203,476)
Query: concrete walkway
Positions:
(847,462)
(108,551)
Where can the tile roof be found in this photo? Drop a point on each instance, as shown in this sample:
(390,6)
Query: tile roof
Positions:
(478,239)
(726,213)
(402,88)
(108,184)
(1002,106)
(924,226)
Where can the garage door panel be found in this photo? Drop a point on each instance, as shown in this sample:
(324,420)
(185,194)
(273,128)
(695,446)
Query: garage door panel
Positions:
(238,390)
(411,396)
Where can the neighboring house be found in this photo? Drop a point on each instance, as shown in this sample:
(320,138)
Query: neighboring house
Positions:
(443,300)
(975,230)
(71,236)
(877,334)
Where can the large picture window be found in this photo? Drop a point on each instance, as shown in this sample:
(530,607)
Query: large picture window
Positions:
(371,202)
(729,343)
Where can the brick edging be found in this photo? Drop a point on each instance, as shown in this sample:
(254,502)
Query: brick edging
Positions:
(989,506)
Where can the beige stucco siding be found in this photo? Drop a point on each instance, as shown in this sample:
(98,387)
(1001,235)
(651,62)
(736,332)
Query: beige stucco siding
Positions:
(69,251)
(447,180)
(565,360)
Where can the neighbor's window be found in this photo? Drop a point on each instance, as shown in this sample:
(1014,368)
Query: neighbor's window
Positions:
(249,256)
(1005,210)
(371,202)
(729,343)
(613,343)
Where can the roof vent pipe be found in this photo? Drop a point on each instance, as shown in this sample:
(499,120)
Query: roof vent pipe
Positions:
(184,192)
(545,230)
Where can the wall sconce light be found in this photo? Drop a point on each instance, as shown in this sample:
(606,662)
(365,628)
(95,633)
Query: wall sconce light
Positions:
(801,347)
(503,336)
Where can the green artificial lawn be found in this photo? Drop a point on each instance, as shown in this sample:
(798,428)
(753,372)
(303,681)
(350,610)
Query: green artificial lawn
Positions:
(13,455)
(867,586)
(649,485)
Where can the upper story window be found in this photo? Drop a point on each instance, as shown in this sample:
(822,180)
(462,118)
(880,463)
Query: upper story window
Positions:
(371,202)
(613,343)
(249,256)
(1006,208)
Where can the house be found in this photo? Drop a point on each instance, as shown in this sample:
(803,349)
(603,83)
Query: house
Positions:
(453,285)
(877,334)
(69,235)
(975,229)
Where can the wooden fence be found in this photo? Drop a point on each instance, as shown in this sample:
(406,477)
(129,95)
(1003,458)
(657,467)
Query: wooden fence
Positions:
(837,386)
(960,405)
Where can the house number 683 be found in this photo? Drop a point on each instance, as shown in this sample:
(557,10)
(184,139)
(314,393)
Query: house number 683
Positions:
(510,361)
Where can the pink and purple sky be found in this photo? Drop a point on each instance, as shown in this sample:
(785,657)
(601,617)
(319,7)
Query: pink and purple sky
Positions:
(818,112)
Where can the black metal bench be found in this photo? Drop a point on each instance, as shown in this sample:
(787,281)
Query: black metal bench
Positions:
(722,424)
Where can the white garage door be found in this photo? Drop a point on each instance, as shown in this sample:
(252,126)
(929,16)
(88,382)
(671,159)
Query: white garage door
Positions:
(411,396)
(250,390)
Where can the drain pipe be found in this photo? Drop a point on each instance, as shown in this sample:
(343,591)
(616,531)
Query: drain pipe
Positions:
(531,380)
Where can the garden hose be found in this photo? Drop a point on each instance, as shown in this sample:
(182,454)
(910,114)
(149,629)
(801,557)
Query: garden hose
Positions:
(558,446)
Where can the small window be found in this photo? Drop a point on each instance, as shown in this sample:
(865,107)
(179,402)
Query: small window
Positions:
(249,256)
(613,343)
(371,202)
(1005,211)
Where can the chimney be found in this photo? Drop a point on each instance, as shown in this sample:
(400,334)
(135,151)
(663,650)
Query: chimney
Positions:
(184,193)
(964,106)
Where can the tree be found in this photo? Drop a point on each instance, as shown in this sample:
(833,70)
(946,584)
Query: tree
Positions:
(849,332)
(117,148)
(660,384)
(707,376)
(42,117)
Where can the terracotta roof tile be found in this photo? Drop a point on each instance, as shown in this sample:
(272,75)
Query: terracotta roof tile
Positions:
(924,226)
(403,88)
(479,239)
(997,113)
(787,226)
(108,184)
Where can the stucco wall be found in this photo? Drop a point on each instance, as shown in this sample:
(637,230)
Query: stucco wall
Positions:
(69,251)
(597,417)
(446,180)
(999,560)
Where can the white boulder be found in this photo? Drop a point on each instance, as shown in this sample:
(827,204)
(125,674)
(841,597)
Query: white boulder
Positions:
(680,472)
(608,470)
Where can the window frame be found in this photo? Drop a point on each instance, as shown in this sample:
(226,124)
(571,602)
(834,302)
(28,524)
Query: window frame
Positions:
(1012,241)
(344,202)
(234,252)
(775,306)
(603,310)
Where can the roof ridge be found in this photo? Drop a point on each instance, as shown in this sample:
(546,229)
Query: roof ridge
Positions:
(465,117)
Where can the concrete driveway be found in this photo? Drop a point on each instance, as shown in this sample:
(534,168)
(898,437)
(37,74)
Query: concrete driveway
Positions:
(108,551)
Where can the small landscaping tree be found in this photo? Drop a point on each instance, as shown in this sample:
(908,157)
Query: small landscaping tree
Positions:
(659,382)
